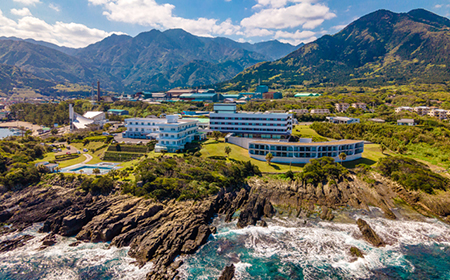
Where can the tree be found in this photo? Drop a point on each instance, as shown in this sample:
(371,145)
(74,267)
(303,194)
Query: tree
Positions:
(54,131)
(216,135)
(383,148)
(113,173)
(163,152)
(96,171)
(342,157)
(123,174)
(227,150)
(269,158)
(85,142)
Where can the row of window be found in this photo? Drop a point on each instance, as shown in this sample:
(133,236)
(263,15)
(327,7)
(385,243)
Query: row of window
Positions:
(142,129)
(250,119)
(142,123)
(248,129)
(297,155)
(255,124)
(301,148)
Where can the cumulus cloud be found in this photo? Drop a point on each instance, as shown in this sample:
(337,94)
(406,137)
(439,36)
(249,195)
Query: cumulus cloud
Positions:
(305,14)
(27,2)
(22,12)
(296,37)
(60,33)
(161,16)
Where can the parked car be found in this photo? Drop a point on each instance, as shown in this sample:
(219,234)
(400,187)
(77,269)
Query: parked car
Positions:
(85,150)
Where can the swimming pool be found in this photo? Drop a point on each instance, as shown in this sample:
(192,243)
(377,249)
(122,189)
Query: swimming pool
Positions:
(104,168)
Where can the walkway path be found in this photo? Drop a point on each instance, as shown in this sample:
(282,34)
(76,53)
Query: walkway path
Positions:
(88,158)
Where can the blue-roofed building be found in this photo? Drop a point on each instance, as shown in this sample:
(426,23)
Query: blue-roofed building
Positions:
(118,112)
(233,96)
(262,89)
(201,97)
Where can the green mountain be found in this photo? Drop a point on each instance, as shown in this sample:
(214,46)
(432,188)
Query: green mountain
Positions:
(13,77)
(380,48)
(152,60)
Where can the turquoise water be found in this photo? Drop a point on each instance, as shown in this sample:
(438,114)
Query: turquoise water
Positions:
(87,169)
(61,262)
(286,249)
(290,249)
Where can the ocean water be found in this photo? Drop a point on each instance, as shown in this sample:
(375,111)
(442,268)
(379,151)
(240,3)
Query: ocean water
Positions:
(5,132)
(61,262)
(293,249)
(289,248)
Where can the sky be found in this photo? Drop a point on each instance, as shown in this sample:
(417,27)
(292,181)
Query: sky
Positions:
(78,23)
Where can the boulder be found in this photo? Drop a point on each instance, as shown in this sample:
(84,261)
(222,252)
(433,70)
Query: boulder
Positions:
(369,234)
(227,273)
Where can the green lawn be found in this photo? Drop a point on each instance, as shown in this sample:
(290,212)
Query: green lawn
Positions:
(305,131)
(371,155)
(213,148)
(62,164)
(96,157)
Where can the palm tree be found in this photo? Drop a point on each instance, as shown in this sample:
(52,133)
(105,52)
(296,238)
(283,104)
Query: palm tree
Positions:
(342,157)
(383,148)
(227,150)
(269,157)
(216,134)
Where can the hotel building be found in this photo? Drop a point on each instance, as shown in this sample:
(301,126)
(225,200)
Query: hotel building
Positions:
(175,133)
(342,107)
(142,128)
(298,153)
(249,124)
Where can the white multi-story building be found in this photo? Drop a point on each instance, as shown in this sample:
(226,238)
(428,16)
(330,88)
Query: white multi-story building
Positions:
(438,113)
(403,108)
(175,133)
(342,120)
(422,110)
(142,128)
(249,124)
(342,107)
(288,152)
(360,105)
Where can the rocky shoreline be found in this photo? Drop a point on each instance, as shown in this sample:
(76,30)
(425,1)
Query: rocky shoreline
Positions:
(160,232)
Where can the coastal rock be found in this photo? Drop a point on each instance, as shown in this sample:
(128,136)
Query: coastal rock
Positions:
(356,253)
(228,273)
(254,210)
(369,234)
(9,245)
(326,214)
(48,241)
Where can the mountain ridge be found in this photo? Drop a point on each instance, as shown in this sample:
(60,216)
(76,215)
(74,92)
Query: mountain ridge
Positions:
(382,47)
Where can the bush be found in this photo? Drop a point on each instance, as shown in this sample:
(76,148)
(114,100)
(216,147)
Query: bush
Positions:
(100,185)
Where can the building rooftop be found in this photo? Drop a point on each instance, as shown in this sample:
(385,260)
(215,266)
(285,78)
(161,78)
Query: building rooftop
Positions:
(92,114)
(406,121)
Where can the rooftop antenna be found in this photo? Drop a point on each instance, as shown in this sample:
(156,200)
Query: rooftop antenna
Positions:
(92,93)
(98,91)
(259,81)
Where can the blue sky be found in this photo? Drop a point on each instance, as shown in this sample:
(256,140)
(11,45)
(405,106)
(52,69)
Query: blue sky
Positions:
(77,23)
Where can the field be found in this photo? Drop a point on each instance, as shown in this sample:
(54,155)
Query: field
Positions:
(65,163)
(304,131)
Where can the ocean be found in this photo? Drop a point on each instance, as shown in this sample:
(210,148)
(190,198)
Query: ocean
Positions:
(5,132)
(289,248)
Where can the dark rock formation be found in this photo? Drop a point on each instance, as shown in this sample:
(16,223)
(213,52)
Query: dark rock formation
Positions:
(355,252)
(227,273)
(48,241)
(254,209)
(369,234)
(9,245)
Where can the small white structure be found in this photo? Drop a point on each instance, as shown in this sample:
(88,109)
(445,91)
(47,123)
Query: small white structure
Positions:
(90,118)
(360,105)
(175,133)
(422,110)
(342,120)
(342,107)
(320,111)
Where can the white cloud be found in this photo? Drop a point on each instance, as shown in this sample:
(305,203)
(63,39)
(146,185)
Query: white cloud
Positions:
(297,37)
(257,32)
(60,33)
(438,6)
(27,2)
(54,7)
(305,14)
(22,12)
(339,27)
(150,13)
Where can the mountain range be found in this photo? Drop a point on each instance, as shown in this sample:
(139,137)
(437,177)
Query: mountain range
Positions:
(152,60)
(378,49)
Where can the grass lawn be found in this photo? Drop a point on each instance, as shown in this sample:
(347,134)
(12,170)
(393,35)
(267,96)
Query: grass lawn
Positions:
(305,131)
(92,145)
(62,164)
(371,155)
(212,148)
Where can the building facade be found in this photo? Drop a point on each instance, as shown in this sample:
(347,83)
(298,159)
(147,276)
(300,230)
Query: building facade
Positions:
(342,120)
(438,113)
(249,124)
(342,107)
(404,108)
(362,106)
(320,111)
(422,110)
(174,134)
(409,122)
(298,153)
(142,128)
